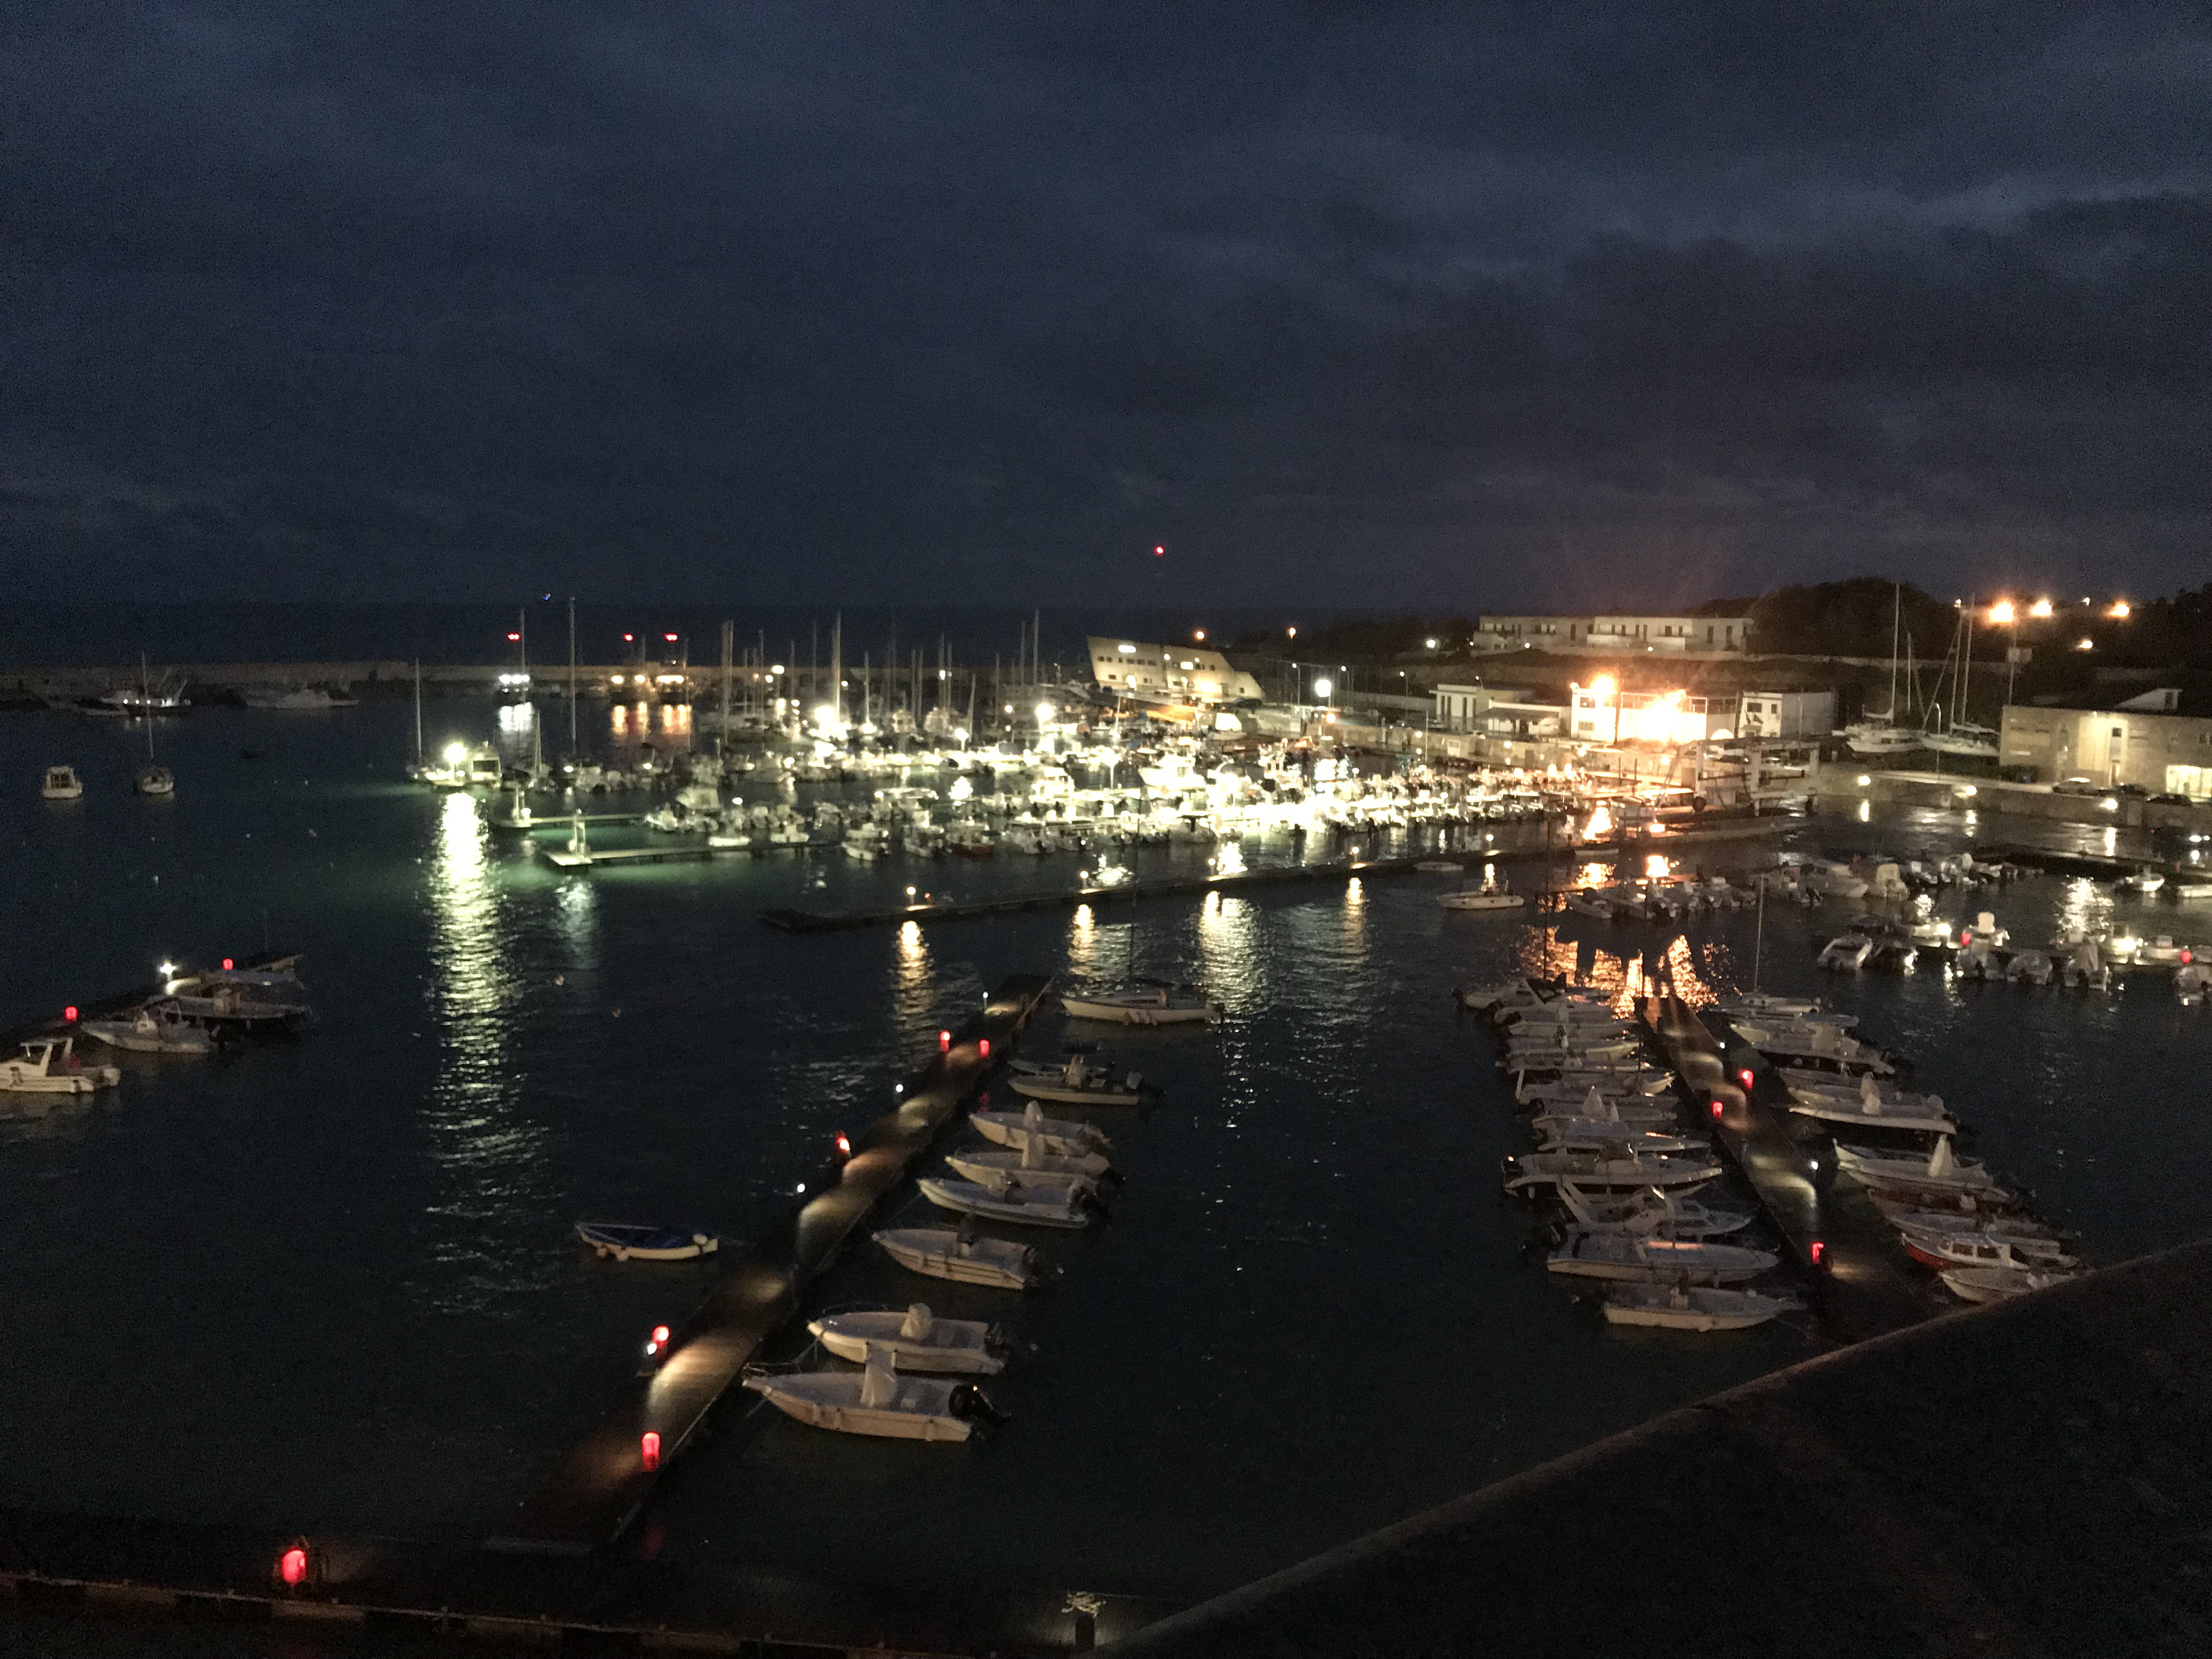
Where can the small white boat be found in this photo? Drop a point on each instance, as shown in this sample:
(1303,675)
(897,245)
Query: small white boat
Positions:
(1157,1006)
(1651,1212)
(1587,1255)
(1079,1082)
(154,1028)
(996,1170)
(1760,1006)
(1941,1171)
(1942,1249)
(1996,1284)
(61,783)
(1440,867)
(624,1241)
(1908,1219)
(1846,952)
(915,1339)
(1481,898)
(1872,1105)
(156,780)
(962,1258)
(876,1399)
(1585,1134)
(2029,968)
(1820,1048)
(1691,1308)
(1058,1136)
(49,1066)
(1030,1206)
(1619,1169)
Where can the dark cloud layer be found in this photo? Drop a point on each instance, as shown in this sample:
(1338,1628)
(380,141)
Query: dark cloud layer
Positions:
(1438,304)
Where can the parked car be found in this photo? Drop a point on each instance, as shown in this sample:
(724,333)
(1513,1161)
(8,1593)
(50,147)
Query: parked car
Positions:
(2077,786)
(2135,789)
(2167,797)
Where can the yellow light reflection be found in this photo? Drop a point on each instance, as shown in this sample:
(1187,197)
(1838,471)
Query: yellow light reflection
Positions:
(1658,867)
(913,980)
(488,1162)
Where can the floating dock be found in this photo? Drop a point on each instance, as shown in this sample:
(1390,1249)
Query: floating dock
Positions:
(597,1490)
(1866,1284)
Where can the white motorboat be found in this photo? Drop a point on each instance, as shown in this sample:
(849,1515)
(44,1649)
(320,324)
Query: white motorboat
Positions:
(962,1258)
(1481,898)
(995,1170)
(1155,1006)
(157,781)
(297,699)
(49,1066)
(1872,1105)
(1846,952)
(1038,1206)
(915,1339)
(1908,1216)
(1757,1005)
(2030,967)
(1619,1169)
(62,783)
(1941,1171)
(1651,1211)
(1942,1249)
(1058,1136)
(1997,1284)
(1820,1048)
(1691,1308)
(1079,1082)
(1441,867)
(154,1028)
(876,1399)
(1584,1134)
(1590,1255)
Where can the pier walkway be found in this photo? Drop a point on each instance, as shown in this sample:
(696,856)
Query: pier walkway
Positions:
(596,1490)
(1864,1284)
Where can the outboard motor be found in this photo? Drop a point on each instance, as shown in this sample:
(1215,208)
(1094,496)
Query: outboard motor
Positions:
(971,1403)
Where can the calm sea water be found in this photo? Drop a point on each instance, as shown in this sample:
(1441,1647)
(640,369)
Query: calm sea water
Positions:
(327,1284)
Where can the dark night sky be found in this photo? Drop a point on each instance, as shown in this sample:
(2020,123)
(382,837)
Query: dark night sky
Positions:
(1445,305)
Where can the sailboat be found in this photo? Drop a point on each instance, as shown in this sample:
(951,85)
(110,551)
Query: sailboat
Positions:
(1958,736)
(153,778)
(1881,734)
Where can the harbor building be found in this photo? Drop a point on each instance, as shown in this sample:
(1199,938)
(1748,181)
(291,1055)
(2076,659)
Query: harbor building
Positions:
(1168,674)
(1685,633)
(2154,742)
(1786,714)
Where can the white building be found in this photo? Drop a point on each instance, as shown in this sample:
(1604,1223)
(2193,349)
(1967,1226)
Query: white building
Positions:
(1786,714)
(1603,713)
(1616,632)
(1499,711)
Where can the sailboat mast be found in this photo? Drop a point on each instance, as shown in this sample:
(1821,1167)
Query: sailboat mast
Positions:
(418,711)
(572,676)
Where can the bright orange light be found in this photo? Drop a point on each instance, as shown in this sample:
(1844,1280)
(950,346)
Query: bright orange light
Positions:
(1605,685)
(2002,612)
(2118,611)
(2040,608)
(1199,635)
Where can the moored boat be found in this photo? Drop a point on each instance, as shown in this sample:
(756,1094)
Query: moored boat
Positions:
(1143,1006)
(1058,1136)
(915,1339)
(154,1028)
(962,1257)
(1691,1308)
(876,1399)
(1593,1254)
(1027,1204)
(626,1242)
(1079,1082)
(49,1066)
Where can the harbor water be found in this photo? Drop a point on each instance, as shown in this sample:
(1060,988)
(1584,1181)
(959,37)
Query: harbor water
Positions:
(328,1283)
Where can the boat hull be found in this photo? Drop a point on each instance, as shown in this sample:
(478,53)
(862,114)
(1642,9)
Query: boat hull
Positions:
(991,1262)
(1119,1014)
(1062,1095)
(882,1422)
(965,1197)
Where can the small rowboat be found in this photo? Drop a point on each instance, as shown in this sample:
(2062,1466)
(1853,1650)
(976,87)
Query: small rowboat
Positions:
(995,1170)
(1162,1007)
(877,1401)
(1656,1260)
(1480,898)
(625,1243)
(915,1339)
(941,1253)
(1997,1284)
(1688,1308)
(1440,867)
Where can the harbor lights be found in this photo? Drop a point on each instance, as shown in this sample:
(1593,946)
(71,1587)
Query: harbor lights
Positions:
(2003,613)
(1044,712)
(2039,609)
(168,970)
(945,1042)
(70,1013)
(649,1450)
(2119,611)
(295,1566)
(657,1345)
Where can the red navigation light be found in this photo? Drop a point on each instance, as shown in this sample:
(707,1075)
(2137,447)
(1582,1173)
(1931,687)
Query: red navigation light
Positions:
(629,639)
(945,1042)
(648,1449)
(660,1332)
(515,639)
(70,1013)
(1818,1251)
(1746,1075)
(1966,936)
(292,1566)
(983,1047)
(844,1145)
(1159,552)
(226,964)
(1718,1107)
(671,638)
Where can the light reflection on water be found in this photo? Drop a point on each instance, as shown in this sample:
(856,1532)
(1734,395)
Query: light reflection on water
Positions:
(487,1160)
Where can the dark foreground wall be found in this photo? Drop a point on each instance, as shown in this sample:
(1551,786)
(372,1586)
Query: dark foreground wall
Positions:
(2029,1479)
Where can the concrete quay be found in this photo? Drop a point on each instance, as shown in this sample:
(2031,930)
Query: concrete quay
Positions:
(2026,1480)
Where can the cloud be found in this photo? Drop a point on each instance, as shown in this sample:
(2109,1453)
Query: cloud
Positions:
(1398,304)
